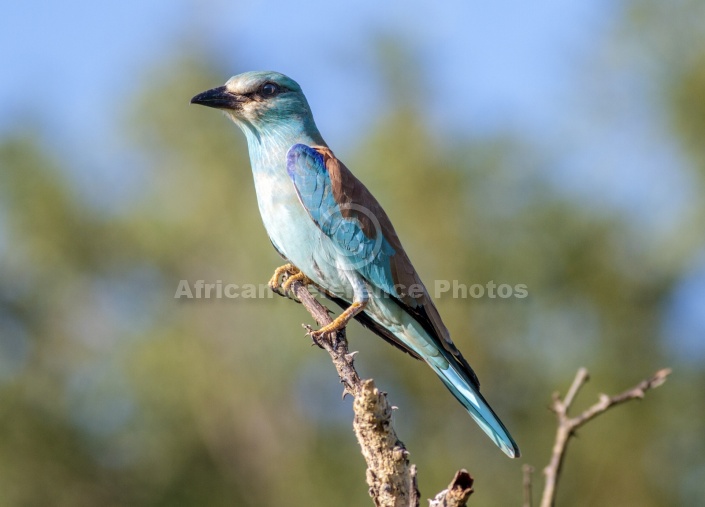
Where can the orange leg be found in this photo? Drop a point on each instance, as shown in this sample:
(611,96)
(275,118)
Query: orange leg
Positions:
(341,321)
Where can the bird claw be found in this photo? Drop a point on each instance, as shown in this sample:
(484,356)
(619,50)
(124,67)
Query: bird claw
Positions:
(340,322)
(275,288)
(313,334)
(288,270)
(297,277)
(318,334)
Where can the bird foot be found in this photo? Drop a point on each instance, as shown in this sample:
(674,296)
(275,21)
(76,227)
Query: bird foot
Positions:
(340,321)
(298,277)
(288,269)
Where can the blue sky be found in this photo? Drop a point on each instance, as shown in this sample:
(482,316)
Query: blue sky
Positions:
(513,66)
(73,62)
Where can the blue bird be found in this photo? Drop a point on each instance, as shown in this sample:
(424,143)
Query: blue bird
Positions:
(334,234)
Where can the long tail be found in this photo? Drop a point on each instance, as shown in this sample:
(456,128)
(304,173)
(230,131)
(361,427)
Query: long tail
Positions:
(410,335)
(478,408)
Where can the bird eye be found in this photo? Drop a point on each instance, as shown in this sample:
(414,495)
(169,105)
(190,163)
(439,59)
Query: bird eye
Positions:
(269,89)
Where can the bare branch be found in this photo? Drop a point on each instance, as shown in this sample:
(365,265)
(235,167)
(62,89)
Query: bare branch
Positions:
(567,425)
(527,471)
(635,393)
(392,479)
(390,476)
(580,379)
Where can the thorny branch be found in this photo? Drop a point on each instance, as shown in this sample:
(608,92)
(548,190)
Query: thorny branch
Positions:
(567,426)
(390,476)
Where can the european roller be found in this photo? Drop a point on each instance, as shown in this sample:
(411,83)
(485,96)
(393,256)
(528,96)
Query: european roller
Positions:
(334,234)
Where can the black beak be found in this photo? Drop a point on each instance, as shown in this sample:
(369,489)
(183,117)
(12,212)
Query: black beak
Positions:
(219,98)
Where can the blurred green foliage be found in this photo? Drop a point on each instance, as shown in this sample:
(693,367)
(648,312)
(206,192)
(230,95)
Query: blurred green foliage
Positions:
(113,392)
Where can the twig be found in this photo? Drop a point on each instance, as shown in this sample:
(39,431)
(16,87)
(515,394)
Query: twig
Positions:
(567,425)
(527,471)
(390,476)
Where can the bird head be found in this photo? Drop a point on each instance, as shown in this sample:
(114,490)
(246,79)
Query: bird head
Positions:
(262,102)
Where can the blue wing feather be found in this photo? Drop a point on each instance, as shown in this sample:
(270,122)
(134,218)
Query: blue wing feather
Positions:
(371,256)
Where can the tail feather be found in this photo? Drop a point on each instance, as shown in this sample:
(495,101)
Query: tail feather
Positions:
(478,408)
(410,333)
